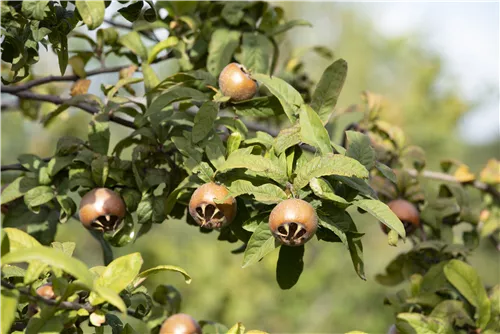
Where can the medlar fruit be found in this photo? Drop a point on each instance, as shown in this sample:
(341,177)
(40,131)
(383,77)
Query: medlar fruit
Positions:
(46,291)
(407,213)
(180,324)
(102,209)
(293,222)
(206,212)
(235,82)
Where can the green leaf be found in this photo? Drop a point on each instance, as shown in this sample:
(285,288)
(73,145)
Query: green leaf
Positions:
(466,280)
(262,138)
(121,83)
(289,25)
(9,309)
(327,91)
(145,274)
(383,213)
(252,223)
(265,106)
(358,184)
(289,97)
(110,296)
(57,164)
(233,12)
(165,44)
(17,188)
(19,240)
(66,247)
(117,275)
(35,9)
(261,243)
(286,138)
(331,164)
(173,95)
(54,258)
(358,147)
(204,121)
(46,321)
(100,170)
(99,134)
(74,101)
(267,193)
(289,267)
(453,312)
(38,196)
(356,251)
(31,162)
(332,225)
(386,171)
(312,131)
(215,151)
(258,164)
(324,190)
(132,12)
(419,323)
(133,42)
(92,12)
(222,45)
(256,51)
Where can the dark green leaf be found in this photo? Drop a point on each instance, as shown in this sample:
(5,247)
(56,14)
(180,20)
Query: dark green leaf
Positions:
(256,51)
(132,12)
(99,134)
(312,131)
(267,193)
(358,147)
(204,121)
(261,243)
(38,196)
(327,91)
(356,251)
(9,308)
(331,164)
(289,97)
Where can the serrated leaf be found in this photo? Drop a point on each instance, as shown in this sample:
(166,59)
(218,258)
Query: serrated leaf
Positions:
(312,131)
(265,106)
(383,213)
(261,243)
(222,45)
(267,193)
(54,258)
(331,164)
(358,147)
(204,121)
(286,138)
(258,164)
(289,97)
(92,12)
(327,91)
(466,280)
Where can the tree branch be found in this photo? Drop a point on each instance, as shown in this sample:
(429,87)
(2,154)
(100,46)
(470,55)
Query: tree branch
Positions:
(57,100)
(63,305)
(71,77)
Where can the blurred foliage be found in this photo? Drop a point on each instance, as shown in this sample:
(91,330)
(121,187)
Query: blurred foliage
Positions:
(401,70)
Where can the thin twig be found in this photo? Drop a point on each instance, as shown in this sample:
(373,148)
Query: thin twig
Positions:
(63,305)
(152,37)
(57,100)
(71,77)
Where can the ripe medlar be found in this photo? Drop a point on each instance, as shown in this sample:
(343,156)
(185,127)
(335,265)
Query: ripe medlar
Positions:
(206,212)
(102,209)
(180,324)
(293,222)
(46,291)
(235,82)
(407,213)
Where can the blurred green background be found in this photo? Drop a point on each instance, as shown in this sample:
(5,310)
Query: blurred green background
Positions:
(423,99)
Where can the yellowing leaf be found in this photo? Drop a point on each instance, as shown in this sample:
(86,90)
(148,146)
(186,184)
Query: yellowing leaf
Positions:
(491,172)
(80,87)
(463,174)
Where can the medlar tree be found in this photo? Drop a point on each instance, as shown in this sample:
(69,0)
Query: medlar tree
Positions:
(233,144)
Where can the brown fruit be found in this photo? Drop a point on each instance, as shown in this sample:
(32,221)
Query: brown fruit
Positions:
(180,324)
(293,222)
(46,291)
(102,209)
(407,213)
(206,212)
(235,82)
